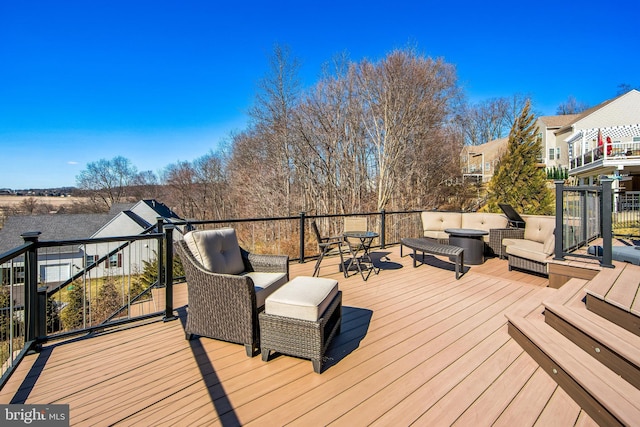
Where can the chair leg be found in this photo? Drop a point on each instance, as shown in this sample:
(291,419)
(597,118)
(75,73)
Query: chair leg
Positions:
(250,350)
(317,268)
(344,270)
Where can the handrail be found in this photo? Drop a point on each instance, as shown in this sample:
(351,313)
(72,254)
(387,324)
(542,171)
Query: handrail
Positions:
(14,253)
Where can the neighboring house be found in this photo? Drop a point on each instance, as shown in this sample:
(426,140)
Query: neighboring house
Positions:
(479,161)
(571,142)
(605,140)
(554,151)
(56,265)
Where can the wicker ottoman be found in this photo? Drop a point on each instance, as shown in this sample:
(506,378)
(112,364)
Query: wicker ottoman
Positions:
(301,318)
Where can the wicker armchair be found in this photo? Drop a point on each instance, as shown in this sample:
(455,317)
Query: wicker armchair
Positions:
(225,306)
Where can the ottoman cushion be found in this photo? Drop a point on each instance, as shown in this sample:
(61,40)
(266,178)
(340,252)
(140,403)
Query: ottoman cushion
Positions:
(304,298)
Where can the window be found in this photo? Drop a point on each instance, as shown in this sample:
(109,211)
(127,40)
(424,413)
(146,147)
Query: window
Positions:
(114,260)
(487,166)
(550,153)
(557,153)
(90,259)
(16,277)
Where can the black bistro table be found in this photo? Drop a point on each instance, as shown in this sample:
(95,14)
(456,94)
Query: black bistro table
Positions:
(359,243)
(471,240)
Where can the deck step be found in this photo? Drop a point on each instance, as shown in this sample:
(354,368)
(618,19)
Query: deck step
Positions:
(611,345)
(612,294)
(572,290)
(601,392)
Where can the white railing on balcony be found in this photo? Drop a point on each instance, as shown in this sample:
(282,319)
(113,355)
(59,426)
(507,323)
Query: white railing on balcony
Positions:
(616,151)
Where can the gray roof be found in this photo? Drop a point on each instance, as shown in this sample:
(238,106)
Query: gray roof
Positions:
(162,209)
(120,207)
(52,227)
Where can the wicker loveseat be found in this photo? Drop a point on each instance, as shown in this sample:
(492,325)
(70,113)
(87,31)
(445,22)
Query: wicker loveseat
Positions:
(227,286)
(434,223)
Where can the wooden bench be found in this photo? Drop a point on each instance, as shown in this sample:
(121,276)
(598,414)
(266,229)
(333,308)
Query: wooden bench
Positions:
(426,245)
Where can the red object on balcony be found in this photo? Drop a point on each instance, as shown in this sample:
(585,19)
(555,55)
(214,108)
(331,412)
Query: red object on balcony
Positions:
(600,142)
(609,146)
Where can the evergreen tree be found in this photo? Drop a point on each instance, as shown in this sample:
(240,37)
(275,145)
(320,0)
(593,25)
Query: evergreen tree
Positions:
(107,302)
(518,180)
(74,312)
(53,316)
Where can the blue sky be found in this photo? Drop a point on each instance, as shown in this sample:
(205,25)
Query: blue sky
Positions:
(164,81)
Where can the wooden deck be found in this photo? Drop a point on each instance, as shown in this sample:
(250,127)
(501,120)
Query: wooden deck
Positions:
(416,346)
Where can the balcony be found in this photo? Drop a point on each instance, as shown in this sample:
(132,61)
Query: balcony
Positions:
(600,160)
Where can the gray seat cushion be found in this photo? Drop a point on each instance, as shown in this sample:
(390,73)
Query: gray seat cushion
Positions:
(265,284)
(217,250)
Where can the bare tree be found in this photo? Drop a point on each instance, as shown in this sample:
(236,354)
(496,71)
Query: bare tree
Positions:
(405,100)
(29,205)
(490,119)
(571,106)
(210,174)
(330,153)
(180,178)
(624,88)
(106,181)
(272,114)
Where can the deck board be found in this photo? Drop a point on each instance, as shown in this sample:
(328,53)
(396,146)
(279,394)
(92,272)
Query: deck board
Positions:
(493,401)
(624,289)
(416,346)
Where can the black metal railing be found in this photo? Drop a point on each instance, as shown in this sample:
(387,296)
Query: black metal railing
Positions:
(292,235)
(583,214)
(37,308)
(28,321)
(36,301)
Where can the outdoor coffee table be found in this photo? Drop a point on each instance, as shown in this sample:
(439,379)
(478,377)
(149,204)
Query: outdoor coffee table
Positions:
(471,241)
(362,262)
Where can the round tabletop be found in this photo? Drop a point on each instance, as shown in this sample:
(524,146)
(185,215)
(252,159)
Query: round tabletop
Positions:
(360,234)
(465,232)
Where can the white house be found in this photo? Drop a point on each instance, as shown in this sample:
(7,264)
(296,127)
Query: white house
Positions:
(59,264)
(571,142)
(605,140)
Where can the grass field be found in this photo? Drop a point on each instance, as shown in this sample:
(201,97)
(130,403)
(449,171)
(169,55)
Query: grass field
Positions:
(7,201)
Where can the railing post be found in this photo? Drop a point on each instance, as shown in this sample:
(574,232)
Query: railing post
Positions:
(302,221)
(559,234)
(383,219)
(607,234)
(160,229)
(41,324)
(31,285)
(168,276)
